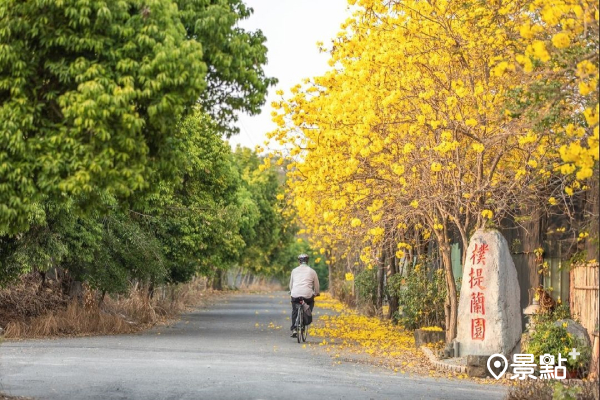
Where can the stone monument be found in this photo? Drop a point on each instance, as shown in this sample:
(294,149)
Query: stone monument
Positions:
(489,311)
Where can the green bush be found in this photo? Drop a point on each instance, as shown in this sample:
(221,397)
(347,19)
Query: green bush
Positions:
(421,297)
(549,338)
(365,284)
(560,312)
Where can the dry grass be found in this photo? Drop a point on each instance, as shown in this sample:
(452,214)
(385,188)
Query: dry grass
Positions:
(28,312)
(74,320)
(27,298)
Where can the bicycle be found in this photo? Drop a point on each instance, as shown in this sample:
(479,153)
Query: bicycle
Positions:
(300,327)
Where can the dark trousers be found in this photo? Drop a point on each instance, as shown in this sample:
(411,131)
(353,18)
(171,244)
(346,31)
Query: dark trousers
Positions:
(295,303)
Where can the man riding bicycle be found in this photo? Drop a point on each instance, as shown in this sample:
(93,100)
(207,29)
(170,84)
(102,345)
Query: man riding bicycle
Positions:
(304,283)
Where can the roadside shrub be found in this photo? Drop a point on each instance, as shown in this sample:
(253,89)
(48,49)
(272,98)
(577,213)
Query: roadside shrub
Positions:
(552,338)
(365,284)
(421,297)
(345,292)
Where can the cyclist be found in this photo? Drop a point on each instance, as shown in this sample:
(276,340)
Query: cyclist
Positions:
(304,283)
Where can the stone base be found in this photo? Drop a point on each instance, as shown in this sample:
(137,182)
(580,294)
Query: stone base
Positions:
(423,337)
(476,372)
(455,365)
(477,361)
(477,367)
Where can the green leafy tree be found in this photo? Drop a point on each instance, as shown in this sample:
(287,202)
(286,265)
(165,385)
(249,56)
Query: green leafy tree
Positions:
(108,250)
(90,93)
(196,217)
(263,231)
(236,80)
(216,210)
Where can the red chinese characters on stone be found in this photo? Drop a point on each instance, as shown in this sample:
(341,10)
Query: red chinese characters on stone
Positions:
(478,303)
(478,328)
(477,297)
(476,278)
(478,255)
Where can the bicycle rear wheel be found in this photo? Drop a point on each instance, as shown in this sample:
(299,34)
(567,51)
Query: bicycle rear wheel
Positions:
(304,332)
(300,323)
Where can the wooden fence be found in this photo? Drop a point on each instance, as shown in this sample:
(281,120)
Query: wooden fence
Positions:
(584,306)
(584,296)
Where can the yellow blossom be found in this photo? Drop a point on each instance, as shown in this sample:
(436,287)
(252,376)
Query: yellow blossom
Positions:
(561,40)
(539,51)
(436,167)
(478,147)
(471,122)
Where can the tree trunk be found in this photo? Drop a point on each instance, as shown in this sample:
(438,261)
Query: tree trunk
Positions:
(380,283)
(172,289)
(76,290)
(330,275)
(393,300)
(43,283)
(217,283)
(238,278)
(464,240)
(452,303)
(224,278)
(102,297)
(392,270)
(591,209)
(151,290)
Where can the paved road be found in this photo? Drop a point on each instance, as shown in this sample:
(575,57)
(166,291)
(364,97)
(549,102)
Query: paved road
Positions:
(213,353)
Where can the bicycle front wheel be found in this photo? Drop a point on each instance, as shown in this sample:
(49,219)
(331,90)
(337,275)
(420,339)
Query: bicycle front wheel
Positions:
(304,332)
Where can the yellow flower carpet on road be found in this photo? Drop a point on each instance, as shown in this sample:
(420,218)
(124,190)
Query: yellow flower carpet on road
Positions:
(349,336)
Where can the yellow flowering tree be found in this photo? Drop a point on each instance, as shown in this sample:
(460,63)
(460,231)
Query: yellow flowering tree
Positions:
(431,121)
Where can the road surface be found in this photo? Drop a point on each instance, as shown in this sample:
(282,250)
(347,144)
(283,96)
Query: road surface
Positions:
(226,351)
